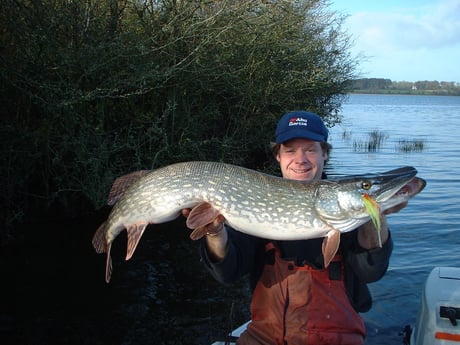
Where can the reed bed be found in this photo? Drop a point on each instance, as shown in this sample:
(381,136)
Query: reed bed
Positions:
(376,140)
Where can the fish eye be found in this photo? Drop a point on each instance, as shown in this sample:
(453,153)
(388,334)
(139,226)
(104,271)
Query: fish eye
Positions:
(366,185)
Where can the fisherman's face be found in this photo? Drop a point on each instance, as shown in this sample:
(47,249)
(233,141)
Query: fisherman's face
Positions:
(301,159)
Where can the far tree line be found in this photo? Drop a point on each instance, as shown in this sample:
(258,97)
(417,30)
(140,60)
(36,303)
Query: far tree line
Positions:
(382,85)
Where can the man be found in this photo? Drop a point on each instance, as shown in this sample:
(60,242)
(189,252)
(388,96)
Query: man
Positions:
(296,300)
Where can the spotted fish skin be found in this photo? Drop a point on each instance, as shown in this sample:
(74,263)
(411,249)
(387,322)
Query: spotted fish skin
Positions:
(251,202)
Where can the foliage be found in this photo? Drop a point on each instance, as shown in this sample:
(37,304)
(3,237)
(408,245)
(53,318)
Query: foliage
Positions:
(380,85)
(95,89)
(371,84)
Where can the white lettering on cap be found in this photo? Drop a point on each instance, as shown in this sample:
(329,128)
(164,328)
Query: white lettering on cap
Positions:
(298,121)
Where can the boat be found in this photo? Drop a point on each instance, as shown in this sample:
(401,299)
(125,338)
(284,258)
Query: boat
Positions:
(438,318)
(439,313)
(233,336)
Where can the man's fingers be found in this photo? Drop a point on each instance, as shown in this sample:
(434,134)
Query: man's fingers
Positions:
(220,219)
(186,211)
(396,209)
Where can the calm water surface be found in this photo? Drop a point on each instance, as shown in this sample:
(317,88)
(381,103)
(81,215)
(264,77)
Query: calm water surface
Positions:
(427,232)
(165,296)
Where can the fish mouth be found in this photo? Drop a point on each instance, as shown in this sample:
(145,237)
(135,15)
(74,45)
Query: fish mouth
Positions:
(407,191)
(393,182)
(415,185)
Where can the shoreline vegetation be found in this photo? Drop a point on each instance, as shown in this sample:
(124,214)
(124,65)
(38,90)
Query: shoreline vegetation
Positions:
(387,86)
(376,140)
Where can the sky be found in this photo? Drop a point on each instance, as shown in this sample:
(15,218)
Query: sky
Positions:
(404,40)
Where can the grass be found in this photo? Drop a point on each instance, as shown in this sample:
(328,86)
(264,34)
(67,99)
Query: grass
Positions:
(373,143)
(376,140)
(415,145)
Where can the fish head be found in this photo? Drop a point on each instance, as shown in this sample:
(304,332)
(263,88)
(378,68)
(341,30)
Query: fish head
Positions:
(342,203)
(384,186)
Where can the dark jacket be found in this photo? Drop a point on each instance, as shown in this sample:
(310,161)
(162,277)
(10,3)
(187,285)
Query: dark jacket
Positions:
(246,256)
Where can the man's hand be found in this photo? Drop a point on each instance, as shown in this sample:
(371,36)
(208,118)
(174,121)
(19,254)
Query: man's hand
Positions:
(396,209)
(368,235)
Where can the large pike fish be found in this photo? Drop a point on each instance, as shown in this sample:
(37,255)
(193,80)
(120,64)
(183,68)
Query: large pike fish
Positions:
(251,202)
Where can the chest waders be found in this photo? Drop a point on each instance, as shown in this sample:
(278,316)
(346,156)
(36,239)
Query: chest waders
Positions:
(295,305)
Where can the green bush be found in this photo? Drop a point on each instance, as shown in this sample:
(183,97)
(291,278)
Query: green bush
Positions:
(95,89)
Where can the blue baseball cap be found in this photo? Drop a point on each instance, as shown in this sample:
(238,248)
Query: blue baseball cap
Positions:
(300,124)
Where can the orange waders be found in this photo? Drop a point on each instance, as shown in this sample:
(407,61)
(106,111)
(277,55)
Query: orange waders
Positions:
(295,305)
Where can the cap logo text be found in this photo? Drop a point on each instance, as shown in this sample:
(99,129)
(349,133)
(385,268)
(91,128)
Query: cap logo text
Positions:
(298,121)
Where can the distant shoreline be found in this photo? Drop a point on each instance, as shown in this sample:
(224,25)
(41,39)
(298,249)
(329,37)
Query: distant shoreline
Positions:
(388,87)
(406,92)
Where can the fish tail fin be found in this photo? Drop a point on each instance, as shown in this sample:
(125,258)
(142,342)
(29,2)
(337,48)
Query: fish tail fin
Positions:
(99,241)
(108,265)
(101,246)
(135,232)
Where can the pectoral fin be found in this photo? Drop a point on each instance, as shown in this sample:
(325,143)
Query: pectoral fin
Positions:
(330,246)
(198,233)
(99,241)
(201,215)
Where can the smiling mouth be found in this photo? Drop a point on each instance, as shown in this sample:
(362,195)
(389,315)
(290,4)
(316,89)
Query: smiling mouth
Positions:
(300,171)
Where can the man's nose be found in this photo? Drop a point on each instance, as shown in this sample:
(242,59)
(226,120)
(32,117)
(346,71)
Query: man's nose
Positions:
(301,156)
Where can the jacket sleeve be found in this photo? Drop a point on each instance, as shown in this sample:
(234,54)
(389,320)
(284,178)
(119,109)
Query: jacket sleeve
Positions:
(240,258)
(368,265)
(363,266)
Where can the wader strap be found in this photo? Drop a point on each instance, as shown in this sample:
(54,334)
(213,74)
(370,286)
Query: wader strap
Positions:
(336,268)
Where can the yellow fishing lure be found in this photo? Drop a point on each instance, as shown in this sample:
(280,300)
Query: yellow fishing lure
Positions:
(373,209)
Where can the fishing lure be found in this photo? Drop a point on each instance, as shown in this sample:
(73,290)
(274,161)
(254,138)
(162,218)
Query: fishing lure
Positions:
(373,209)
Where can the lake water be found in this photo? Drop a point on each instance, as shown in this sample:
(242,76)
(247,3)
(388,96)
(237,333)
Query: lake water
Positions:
(426,233)
(55,286)
(177,302)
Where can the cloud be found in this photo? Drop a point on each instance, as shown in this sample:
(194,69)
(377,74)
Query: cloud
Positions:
(417,28)
(406,40)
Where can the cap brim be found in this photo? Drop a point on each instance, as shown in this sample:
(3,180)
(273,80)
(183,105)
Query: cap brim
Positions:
(298,133)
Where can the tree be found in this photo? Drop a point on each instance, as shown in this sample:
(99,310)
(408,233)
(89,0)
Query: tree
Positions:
(94,89)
